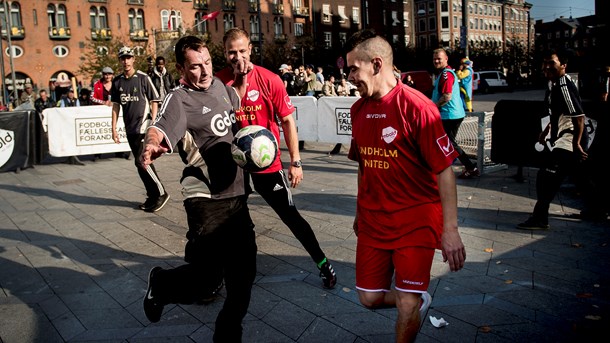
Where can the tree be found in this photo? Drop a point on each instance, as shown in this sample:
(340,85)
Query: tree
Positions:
(104,53)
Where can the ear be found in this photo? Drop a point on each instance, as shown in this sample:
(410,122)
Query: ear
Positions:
(377,64)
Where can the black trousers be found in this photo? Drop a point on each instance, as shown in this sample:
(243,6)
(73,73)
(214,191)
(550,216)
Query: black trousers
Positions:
(148,174)
(559,164)
(275,189)
(221,243)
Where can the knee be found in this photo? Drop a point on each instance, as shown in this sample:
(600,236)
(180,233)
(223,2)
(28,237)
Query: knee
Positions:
(372,300)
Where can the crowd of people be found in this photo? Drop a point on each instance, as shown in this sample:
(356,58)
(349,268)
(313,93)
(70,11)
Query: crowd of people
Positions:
(304,81)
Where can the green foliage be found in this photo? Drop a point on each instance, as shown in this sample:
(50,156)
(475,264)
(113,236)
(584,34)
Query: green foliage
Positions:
(104,53)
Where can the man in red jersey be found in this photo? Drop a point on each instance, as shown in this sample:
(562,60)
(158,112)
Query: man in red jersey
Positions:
(266,99)
(407,197)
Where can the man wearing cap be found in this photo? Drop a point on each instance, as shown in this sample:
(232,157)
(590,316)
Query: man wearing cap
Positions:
(69,100)
(101,88)
(28,95)
(134,93)
(288,79)
(464,75)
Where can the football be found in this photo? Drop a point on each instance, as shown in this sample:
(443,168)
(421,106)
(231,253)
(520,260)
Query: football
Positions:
(254,148)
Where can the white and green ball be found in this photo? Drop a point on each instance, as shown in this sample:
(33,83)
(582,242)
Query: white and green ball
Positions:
(254,148)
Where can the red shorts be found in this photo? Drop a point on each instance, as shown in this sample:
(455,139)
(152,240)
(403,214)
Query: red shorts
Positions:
(409,265)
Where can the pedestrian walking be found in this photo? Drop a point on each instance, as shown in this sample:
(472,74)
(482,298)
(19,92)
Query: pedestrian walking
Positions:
(135,94)
(446,96)
(568,137)
(161,77)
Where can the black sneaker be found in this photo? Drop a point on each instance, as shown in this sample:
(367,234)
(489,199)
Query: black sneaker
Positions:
(328,276)
(152,306)
(158,203)
(533,224)
(208,298)
(146,204)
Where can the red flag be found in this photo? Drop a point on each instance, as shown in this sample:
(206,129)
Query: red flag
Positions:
(210,16)
(169,23)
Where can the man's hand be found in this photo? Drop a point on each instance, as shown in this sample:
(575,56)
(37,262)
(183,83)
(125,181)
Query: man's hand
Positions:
(151,152)
(115,137)
(295,175)
(453,250)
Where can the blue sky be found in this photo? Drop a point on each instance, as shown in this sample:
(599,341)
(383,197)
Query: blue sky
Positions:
(549,10)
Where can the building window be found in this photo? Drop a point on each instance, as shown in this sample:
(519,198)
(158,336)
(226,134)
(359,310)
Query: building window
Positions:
(35,17)
(395,39)
(139,50)
(395,20)
(200,26)
(16,50)
(356,15)
(431,7)
(432,24)
(422,25)
(102,50)
(342,17)
(444,6)
(98,18)
(228,21)
(326,14)
(57,15)
(136,19)
(254,27)
(328,39)
(170,20)
(278,26)
(60,51)
(15,11)
(405,17)
(298,29)
(342,38)
(444,23)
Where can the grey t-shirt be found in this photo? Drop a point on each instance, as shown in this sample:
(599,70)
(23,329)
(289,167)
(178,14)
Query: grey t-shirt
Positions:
(200,124)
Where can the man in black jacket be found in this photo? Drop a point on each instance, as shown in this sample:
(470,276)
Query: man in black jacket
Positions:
(161,77)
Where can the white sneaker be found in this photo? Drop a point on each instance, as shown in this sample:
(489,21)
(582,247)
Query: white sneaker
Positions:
(425,304)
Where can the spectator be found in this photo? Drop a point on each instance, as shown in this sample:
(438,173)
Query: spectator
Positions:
(409,81)
(320,75)
(85,97)
(28,95)
(310,79)
(329,87)
(464,75)
(161,77)
(300,85)
(288,79)
(43,102)
(343,88)
(446,95)
(102,88)
(134,93)
(568,137)
(69,100)
(407,203)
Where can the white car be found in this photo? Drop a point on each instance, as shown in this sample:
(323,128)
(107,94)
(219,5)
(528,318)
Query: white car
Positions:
(488,81)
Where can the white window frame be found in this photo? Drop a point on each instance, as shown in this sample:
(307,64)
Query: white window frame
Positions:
(326,13)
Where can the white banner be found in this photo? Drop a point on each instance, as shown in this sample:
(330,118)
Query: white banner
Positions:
(85,130)
(306,117)
(325,120)
(334,119)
